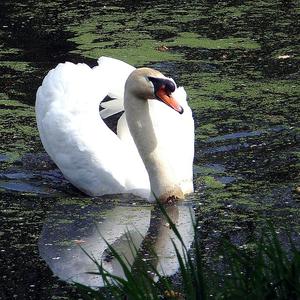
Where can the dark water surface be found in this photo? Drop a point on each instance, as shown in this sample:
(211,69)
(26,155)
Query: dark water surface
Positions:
(239,62)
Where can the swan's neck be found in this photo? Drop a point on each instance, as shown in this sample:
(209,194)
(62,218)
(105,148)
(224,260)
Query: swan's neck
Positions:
(164,184)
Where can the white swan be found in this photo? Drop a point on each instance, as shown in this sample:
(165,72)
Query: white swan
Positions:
(152,153)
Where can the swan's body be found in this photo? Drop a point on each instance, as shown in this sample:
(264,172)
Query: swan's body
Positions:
(94,158)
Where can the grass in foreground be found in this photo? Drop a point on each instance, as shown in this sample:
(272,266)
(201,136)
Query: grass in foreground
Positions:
(266,272)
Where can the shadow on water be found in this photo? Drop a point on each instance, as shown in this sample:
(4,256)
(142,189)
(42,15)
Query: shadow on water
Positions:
(239,62)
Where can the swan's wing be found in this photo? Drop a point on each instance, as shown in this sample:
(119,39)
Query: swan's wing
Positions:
(87,152)
(117,72)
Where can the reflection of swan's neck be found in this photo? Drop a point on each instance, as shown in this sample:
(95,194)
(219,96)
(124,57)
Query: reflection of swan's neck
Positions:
(158,244)
(161,175)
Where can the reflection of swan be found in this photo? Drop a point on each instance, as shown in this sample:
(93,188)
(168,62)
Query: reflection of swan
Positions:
(158,157)
(66,225)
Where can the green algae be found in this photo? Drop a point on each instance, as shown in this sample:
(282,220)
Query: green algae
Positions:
(4,52)
(114,31)
(117,39)
(10,103)
(140,54)
(80,202)
(211,182)
(16,65)
(190,39)
(17,131)
(206,130)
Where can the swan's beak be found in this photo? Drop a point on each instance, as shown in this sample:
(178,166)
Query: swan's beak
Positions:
(168,99)
(163,89)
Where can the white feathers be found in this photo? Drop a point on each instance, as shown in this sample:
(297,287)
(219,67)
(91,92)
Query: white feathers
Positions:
(88,153)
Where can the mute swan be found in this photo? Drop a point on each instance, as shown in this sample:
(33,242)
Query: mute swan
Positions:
(152,153)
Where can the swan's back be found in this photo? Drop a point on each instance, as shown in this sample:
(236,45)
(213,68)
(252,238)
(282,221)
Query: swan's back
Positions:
(88,153)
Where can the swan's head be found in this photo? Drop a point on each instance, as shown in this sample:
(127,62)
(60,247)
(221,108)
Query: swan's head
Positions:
(146,83)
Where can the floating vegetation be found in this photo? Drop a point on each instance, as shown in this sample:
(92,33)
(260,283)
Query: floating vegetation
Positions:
(190,39)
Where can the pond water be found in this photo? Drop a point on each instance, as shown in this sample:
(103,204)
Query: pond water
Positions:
(239,63)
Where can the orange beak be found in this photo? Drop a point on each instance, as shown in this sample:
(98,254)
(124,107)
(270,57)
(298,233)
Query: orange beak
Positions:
(168,99)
